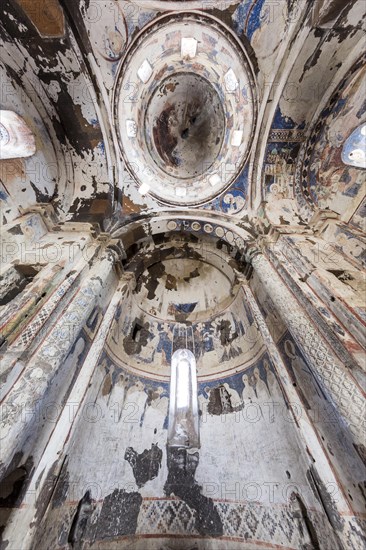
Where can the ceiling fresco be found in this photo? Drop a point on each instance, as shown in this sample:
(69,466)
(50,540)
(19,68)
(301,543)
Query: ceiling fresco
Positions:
(123,134)
(185,126)
(326,180)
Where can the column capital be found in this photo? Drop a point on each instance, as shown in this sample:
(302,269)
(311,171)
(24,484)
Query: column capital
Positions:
(252,250)
(45,210)
(321,217)
(117,246)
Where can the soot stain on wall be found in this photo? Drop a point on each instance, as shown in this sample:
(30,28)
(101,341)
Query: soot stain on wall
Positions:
(220,401)
(137,339)
(119,514)
(181,482)
(145,466)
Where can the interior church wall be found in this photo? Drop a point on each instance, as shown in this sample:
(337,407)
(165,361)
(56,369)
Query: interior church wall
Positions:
(341,450)
(127,408)
(343,453)
(47,329)
(322,272)
(247,409)
(131,496)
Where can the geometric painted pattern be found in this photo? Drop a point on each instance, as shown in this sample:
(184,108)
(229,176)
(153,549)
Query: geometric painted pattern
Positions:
(63,335)
(25,338)
(26,299)
(165,517)
(286,135)
(251,522)
(333,375)
(303,198)
(303,190)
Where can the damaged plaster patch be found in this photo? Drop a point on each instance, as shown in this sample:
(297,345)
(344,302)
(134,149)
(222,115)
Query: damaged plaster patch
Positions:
(171,282)
(134,342)
(326,500)
(152,281)
(62,487)
(145,466)
(181,482)
(119,514)
(219,401)
(81,93)
(80,521)
(54,89)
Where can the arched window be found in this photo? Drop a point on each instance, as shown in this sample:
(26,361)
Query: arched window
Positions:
(16,139)
(183,428)
(354,148)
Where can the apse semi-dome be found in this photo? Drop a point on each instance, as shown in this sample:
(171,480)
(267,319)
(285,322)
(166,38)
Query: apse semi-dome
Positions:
(185,108)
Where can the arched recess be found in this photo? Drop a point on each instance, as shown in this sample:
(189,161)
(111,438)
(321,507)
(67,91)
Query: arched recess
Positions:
(46,175)
(318,61)
(218,228)
(323,180)
(188,276)
(85,190)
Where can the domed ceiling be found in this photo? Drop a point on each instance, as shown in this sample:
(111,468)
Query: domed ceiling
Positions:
(186,123)
(159,104)
(186,293)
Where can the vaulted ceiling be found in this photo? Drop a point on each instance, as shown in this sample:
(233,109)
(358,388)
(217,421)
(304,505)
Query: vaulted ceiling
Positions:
(140,107)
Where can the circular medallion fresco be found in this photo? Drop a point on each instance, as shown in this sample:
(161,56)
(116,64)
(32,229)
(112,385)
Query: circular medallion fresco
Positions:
(185,108)
(182,4)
